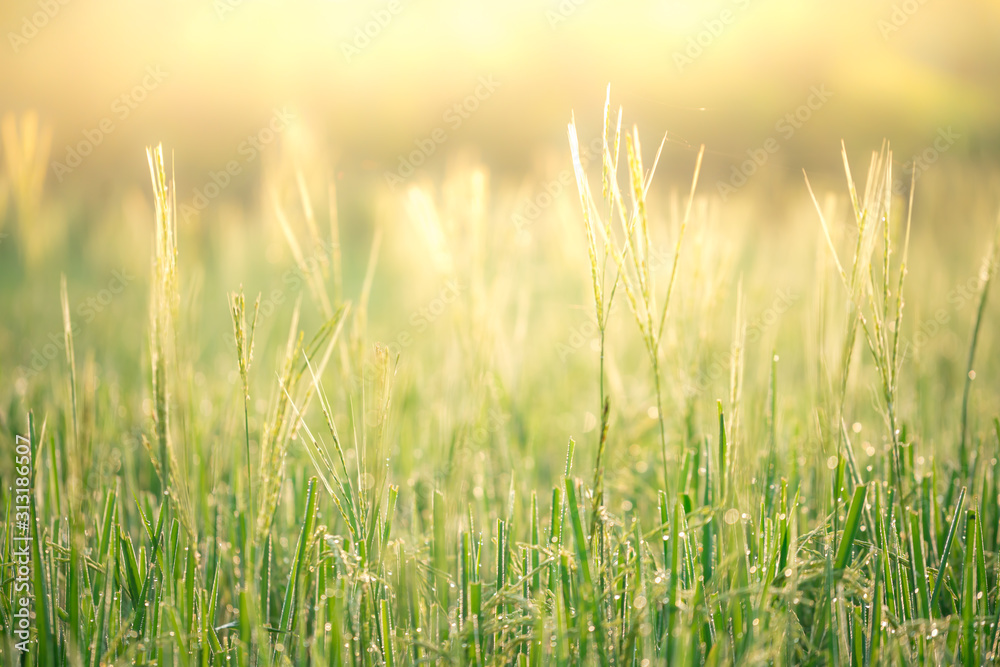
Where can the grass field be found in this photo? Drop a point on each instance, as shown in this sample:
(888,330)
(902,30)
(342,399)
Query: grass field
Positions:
(629,424)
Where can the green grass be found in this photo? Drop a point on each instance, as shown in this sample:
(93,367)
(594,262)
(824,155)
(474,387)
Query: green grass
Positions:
(291,491)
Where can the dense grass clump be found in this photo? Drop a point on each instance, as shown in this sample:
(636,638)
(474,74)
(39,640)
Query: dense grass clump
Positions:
(771,459)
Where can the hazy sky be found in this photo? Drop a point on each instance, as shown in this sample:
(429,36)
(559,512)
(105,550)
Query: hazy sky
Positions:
(374,79)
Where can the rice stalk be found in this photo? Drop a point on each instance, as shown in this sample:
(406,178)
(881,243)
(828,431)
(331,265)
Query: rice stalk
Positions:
(165,299)
(291,395)
(75,458)
(990,264)
(244,355)
(632,257)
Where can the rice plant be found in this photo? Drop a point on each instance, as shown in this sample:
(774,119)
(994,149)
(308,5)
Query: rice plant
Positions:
(350,494)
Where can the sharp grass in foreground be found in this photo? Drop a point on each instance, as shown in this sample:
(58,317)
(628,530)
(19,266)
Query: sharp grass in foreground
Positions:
(300,530)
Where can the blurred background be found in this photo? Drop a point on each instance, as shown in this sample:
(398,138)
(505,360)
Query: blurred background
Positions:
(371,78)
